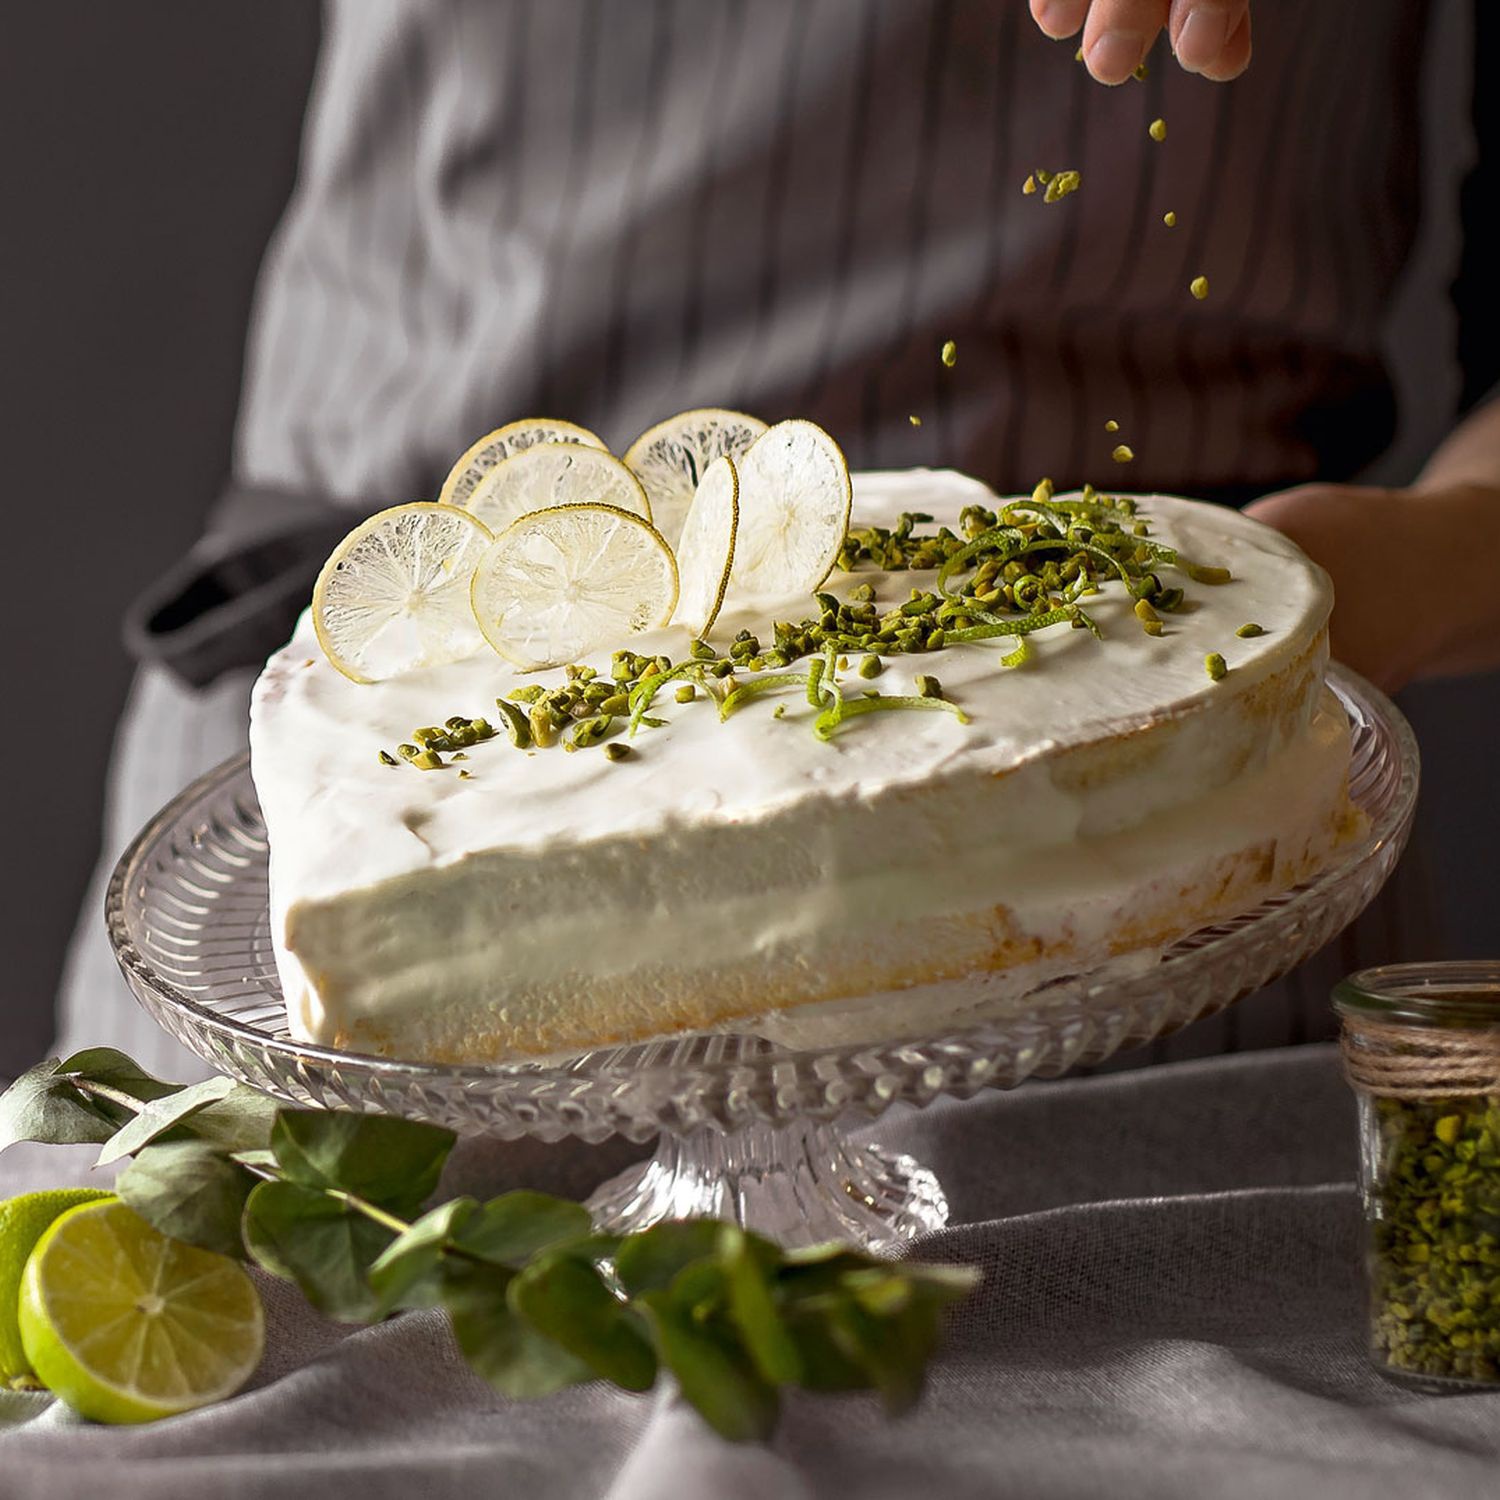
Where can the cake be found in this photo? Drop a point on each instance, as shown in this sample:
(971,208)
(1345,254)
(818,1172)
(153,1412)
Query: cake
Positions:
(1104,798)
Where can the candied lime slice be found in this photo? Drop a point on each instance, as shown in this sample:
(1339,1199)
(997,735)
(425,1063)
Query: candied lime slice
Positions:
(672,458)
(705,553)
(554,474)
(795,494)
(560,583)
(494,447)
(394,595)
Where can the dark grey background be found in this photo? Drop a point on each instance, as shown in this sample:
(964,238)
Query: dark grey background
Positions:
(146,150)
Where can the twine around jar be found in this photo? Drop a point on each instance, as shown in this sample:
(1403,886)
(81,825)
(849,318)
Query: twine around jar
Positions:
(1421,1062)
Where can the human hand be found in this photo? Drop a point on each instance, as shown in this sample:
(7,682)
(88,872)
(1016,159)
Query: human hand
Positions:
(1211,37)
(1412,574)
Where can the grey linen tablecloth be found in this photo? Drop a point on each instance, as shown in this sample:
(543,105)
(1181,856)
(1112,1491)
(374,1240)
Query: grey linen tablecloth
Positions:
(1171,1307)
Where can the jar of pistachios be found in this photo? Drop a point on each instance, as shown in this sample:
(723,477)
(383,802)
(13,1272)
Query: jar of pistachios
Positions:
(1422,1049)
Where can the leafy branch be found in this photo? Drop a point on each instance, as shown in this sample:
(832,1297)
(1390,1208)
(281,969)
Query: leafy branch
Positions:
(338,1203)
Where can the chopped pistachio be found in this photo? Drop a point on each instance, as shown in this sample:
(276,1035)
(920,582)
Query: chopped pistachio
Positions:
(915,420)
(1169,219)
(1198,286)
(871,666)
(1029,186)
(686,693)
(427,760)
(1157,130)
(465,775)
(927,686)
(1111,425)
(387,759)
(617,751)
(949,354)
(1249,630)
(1139,72)
(1215,666)
(1123,453)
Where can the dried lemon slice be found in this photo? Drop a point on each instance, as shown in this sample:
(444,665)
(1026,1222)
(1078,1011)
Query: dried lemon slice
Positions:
(394,595)
(554,474)
(671,458)
(795,494)
(705,553)
(560,583)
(494,447)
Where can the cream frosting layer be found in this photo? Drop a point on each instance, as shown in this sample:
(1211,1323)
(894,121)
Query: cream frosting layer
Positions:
(746,874)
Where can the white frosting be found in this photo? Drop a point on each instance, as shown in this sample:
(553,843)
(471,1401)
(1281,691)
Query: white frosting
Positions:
(403,901)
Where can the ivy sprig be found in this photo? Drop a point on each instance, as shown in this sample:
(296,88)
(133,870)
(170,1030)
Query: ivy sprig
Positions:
(341,1204)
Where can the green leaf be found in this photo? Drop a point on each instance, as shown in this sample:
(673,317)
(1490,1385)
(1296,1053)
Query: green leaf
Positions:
(893,1350)
(502,1347)
(512,1228)
(41,1105)
(409,1270)
(567,1300)
(650,1261)
(190,1191)
(240,1121)
(115,1070)
(753,1310)
(389,1161)
(714,1374)
(304,1235)
(159,1116)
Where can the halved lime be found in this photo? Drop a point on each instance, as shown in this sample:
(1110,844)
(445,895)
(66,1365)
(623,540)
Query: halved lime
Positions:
(554,474)
(560,583)
(795,494)
(671,458)
(394,596)
(705,553)
(126,1325)
(494,447)
(22,1222)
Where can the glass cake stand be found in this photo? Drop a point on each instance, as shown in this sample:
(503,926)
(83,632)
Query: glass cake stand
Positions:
(747,1129)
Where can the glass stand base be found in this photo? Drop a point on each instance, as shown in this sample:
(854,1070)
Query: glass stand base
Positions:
(800,1184)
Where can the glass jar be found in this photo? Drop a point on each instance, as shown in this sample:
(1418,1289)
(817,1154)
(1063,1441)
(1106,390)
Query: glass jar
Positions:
(1422,1051)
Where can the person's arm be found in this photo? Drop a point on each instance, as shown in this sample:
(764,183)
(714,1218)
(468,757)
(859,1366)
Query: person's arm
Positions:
(1211,37)
(1416,571)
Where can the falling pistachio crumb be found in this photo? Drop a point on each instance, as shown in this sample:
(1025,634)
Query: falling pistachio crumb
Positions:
(950,354)
(915,420)
(1029,186)
(1199,287)
(1215,666)
(1061,185)
(1078,55)
(1157,130)
(1139,72)
(1111,425)
(1169,219)
(1250,630)
(1123,453)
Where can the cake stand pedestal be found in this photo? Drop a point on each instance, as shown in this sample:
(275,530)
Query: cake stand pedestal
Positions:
(747,1130)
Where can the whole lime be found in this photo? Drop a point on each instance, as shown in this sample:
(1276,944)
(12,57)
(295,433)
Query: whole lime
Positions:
(23,1220)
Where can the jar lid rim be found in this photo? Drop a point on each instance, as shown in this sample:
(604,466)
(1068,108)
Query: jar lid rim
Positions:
(1452,992)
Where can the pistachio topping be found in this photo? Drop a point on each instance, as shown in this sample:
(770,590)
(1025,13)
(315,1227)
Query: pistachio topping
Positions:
(1249,630)
(387,759)
(1123,453)
(949,353)
(1215,666)
(1157,130)
(1198,286)
(1169,219)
